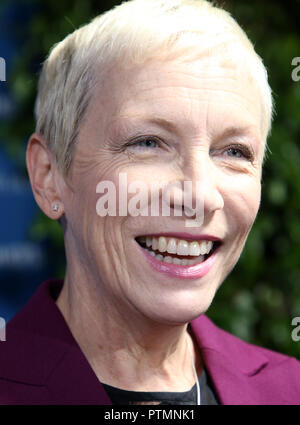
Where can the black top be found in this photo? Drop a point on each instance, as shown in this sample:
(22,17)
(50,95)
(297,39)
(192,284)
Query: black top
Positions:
(124,397)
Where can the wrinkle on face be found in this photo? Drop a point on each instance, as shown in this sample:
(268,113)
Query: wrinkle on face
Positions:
(190,108)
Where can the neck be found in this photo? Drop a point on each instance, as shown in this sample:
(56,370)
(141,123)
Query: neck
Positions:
(133,353)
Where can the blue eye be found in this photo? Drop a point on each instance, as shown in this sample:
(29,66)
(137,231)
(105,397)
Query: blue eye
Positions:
(239,151)
(147,143)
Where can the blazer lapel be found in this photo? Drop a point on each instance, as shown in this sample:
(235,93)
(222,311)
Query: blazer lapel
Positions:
(231,363)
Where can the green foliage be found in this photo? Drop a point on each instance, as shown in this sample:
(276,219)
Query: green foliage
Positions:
(261,296)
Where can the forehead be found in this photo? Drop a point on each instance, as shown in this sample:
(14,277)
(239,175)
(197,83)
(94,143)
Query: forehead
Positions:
(210,90)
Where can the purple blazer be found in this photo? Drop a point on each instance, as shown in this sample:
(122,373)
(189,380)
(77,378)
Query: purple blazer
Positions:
(41,363)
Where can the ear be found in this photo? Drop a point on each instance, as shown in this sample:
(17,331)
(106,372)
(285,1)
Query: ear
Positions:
(43,174)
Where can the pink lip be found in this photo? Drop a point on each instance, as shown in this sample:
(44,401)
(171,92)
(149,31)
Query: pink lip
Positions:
(182,272)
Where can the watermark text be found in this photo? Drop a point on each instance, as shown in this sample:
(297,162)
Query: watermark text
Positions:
(296,70)
(137,198)
(2,69)
(296,331)
(2,329)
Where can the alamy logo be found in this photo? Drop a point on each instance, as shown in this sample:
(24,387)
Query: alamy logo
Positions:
(296,70)
(296,330)
(2,69)
(2,329)
(137,199)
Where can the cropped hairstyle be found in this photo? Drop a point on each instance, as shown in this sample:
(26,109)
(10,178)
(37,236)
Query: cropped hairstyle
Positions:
(132,33)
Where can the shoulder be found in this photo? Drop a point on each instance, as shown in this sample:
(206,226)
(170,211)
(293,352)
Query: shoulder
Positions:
(245,373)
(40,361)
(32,348)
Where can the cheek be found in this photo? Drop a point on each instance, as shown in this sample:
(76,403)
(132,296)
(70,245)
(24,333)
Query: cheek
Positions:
(136,181)
(242,205)
(80,209)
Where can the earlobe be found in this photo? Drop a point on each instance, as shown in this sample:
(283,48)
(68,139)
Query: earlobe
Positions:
(55,207)
(41,170)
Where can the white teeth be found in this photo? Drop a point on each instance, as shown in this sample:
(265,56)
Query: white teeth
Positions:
(172,246)
(202,245)
(184,262)
(154,243)
(162,244)
(183,248)
(209,245)
(194,249)
(176,260)
(177,246)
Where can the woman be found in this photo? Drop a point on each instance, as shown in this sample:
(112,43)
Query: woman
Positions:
(156,92)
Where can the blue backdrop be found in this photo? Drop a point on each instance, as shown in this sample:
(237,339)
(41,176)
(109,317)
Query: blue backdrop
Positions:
(23,262)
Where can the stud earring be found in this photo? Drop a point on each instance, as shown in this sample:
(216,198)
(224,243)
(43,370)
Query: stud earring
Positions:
(55,207)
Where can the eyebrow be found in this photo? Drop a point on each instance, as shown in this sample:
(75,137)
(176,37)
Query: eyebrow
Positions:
(161,122)
(236,131)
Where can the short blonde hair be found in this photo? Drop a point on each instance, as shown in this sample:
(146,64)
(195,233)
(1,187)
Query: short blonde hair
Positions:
(134,32)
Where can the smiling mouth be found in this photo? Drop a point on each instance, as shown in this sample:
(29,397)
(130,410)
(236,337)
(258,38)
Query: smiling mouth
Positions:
(178,251)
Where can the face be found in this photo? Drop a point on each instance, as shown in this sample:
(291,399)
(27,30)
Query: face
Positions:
(166,121)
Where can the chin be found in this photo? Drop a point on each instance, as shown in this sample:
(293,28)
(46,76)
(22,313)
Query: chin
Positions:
(179,309)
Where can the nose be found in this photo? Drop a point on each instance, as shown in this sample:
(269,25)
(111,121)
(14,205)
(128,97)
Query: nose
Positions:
(205,182)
